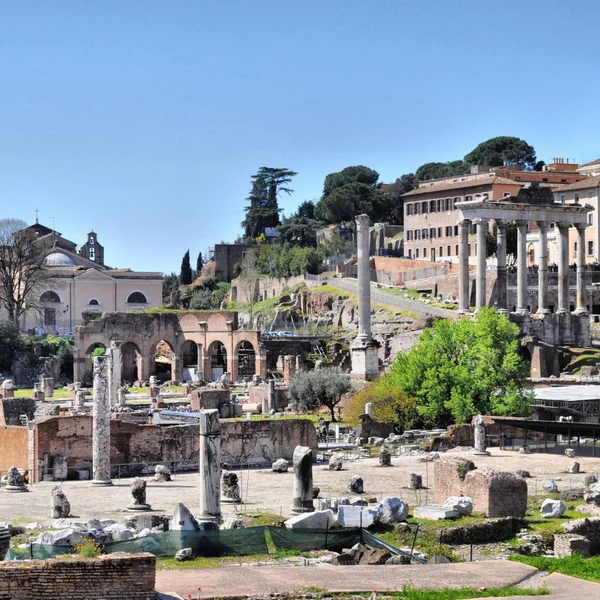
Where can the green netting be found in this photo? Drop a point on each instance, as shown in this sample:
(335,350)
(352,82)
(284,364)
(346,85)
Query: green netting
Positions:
(203,543)
(313,539)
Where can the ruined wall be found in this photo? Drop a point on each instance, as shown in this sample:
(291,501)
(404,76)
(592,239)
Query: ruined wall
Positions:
(110,577)
(207,399)
(258,393)
(495,493)
(11,410)
(253,442)
(368,427)
(13,448)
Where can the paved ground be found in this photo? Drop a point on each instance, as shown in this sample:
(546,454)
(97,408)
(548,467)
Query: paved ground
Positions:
(226,582)
(266,491)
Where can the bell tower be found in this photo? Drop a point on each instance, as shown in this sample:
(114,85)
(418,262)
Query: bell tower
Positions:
(92,250)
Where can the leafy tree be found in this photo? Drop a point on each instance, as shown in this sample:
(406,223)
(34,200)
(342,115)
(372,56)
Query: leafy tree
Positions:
(201,300)
(283,261)
(466,367)
(402,185)
(337,248)
(199,264)
(437,170)
(491,240)
(23,272)
(309,390)
(247,280)
(390,402)
(358,174)
(263,209)
(11,342)
(300,229)
(185,276)
(502,151)
(170,285)
(209,295)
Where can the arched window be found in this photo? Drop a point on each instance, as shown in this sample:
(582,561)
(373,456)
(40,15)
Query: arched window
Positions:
(137,298)
(94,302)
(50,297)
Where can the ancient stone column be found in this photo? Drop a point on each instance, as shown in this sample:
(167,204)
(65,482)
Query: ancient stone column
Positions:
(369,409)
(303,480)
(271,396)
(480,444)
(543,269)
(365,363)
(581,307)
(463,267)
(563,267)
(115,370)
(200,365)
(101,424)
(501,281)
(522,268)
(364,279)
(210,469)
(482,228)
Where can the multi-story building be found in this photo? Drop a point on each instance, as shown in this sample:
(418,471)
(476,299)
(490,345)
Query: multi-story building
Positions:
(430,214)
(591,168)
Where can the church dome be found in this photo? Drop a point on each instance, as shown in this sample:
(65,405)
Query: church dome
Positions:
(58,259)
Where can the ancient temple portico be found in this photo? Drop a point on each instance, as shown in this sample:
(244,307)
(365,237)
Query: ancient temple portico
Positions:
(562,327)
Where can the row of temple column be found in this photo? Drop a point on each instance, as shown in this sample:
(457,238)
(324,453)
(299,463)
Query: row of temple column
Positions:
(542,253)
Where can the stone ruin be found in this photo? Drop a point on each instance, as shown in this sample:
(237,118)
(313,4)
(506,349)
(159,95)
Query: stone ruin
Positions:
(61,507)
(230,487)
(138,492)
(495,493)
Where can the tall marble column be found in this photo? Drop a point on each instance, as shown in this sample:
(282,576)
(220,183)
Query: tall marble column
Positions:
(501,279)
(200,361)
(522,268)
(543,269)
(101,424)
(365,363)
(115,371)
(563,267)
(581,307)
(303,480)
(463,267)
(210,469)
(480,282)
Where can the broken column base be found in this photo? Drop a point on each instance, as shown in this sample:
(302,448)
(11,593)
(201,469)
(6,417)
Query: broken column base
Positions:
(300,508)
(101,482)
(365,361)
(15,489)
(138,507)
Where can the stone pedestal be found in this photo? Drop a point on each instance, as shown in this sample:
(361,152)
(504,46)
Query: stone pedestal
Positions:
(303,480)
(365,360)
(101,424)
(210,468)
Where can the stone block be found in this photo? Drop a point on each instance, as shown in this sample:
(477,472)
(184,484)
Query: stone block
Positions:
(393,510)
(375,557)
(356,484)
(280,466)
(549,486)
(320,519)
(463,505)
(552,509)
(573,467)
(434,512)
(567,544)
(357,516)
(336,462)
(184,554)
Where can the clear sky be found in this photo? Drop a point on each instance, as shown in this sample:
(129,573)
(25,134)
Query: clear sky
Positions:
(144,119)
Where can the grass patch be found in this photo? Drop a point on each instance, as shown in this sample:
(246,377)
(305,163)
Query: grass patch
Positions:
(410,593)
(59,394)
(575,566)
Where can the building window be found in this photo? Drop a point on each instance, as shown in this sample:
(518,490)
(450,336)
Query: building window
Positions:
(574,249)
(563,198)
(448,230)
(449,250)
(49,318)
(93,304)
(425,234)
(417,253)
(440,205)
(441,251)
(506,194)
(439,232)
(137,298)
(424,208)
(417,234)
(92,253)
(417,208)
(468,198)
(432,233)
(424,252)
(50,297)
(409,253)
(91,240)
(456,230)
(590,219)
(432,206)
(409,236)
(590,247)
(532,256)
(456,249)
(409,210)
(576,197)
(455,201)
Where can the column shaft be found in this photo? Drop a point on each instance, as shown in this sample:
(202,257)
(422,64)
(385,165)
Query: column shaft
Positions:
(581,307)
(501,285)
(210,466)
(543,269)
(563,267)
(364,280)
(480,285)
(463,267)
(522,267)
(115,371)
(101,423)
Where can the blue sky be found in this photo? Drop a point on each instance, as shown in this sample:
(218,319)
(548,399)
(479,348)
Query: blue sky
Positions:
(144,119)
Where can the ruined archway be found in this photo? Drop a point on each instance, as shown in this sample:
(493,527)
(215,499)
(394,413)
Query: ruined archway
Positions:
(130,361)
(88,373)
(162,361)
(218,360)
(189,356)
(246,360)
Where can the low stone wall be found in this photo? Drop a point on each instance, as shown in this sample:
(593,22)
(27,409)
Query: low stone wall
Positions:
(495,493)
(588,528)
(207,399)
(110,577)
(369,427)
(492,530)
(259,393)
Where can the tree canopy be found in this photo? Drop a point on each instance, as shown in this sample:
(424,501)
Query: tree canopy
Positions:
(299,229)
(308,390)
(185,275)
(437,170)
(199,264)
(501,151)
(466,367)
(263,208)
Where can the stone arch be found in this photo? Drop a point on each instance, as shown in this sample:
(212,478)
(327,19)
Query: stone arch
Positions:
(131,357)
(189,353)
(87,376)
(161,360)
(217,355)
(246,360)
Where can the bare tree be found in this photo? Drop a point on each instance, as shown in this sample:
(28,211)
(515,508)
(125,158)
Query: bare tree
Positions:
(22,269)
(247,282)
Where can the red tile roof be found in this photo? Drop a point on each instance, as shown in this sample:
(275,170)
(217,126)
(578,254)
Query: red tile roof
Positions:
(441,187)
(584,184)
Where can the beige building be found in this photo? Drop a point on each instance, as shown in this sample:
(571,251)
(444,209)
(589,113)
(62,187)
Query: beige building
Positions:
(80,282)
(431,214)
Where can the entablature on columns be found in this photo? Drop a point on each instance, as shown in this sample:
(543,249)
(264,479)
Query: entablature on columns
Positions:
(511,211)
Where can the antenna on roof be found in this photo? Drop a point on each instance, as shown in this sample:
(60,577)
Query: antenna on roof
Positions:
(53,233)
(36,211)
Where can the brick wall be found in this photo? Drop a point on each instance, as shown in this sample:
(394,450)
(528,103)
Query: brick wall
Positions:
(495,493)
(110,577)
(207,399)
(13,448)
(253,442)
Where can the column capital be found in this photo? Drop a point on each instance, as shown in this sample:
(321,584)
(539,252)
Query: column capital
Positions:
(521,223)
(500,224)
(481,220)
(581,227)
(362,222)
(542,225)
(563,226)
